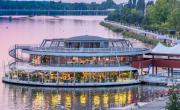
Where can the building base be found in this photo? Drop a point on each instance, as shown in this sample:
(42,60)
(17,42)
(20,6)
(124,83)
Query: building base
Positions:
(39,84)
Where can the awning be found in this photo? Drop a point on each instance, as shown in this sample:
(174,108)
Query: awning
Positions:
(161,49)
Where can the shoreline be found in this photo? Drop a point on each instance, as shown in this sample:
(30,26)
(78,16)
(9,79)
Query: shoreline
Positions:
(39,84)
(53,18)
(148,38)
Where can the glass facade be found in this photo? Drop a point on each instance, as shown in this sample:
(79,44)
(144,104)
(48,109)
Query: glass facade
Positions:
(80,61)
(79,53)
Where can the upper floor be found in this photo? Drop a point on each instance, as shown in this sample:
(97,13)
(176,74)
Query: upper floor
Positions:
(85,41)
(80,46)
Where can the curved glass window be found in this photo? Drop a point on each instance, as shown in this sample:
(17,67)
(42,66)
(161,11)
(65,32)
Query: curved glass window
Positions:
(80,61)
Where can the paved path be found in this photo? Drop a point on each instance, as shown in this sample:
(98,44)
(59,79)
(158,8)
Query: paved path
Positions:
(139,30)
(158,104)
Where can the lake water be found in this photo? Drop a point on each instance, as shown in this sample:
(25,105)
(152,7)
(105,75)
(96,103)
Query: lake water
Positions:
(33,31)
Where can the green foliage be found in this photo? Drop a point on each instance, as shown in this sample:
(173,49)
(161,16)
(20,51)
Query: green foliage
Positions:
(33,78)
(174,19)
(126,15)
(108,4)
(141,6)
(44,5)
(132,13)
(162,16)
(174,100)
(78,76)
(111,27)
(158,13)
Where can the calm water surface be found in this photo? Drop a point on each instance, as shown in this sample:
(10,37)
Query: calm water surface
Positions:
(33,31)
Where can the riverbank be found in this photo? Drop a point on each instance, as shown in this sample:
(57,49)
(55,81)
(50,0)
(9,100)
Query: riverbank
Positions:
(135,33)
(157,104)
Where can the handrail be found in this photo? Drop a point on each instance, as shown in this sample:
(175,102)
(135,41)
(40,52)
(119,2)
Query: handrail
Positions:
(63,49)
(71,65)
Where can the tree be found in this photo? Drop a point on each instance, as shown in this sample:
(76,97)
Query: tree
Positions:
(149,3)
(174,101)
(137,16)
(174,19)
(130,4)
(141,5)
(134,3)
(114,16)
(161,16)
(108,4)
(55,5)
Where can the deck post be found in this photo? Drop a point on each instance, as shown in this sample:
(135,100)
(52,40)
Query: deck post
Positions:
(172,72)
(153,65)
(42,76)
(156,70)
(141,70)
(17,75)
(74,78)
(57,79)
(168,68)
(28,76)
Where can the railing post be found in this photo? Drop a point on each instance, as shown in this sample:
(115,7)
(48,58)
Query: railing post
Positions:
(57,79)
(74,78)
(28,76)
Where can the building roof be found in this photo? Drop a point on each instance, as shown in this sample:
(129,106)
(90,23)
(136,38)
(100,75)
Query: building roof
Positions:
(87,38)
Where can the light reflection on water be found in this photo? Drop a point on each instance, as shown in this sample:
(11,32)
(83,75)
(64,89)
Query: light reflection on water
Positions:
(79,98)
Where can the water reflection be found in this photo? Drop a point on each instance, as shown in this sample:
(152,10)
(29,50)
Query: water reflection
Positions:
(80,98)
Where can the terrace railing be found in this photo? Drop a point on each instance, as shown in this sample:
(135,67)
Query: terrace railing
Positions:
(69,65)
(81,50)
(85,65)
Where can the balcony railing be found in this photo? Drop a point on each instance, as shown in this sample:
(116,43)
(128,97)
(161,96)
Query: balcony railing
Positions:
(81,50)
(84,65)
(70,65)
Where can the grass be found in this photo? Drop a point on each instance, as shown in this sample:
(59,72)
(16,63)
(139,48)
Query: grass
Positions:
(141,38)
(111,27)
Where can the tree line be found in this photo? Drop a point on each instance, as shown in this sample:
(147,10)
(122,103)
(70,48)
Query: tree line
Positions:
(51,5)
(162,16)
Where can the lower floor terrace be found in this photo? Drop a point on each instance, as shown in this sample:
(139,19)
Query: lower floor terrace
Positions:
(72,77)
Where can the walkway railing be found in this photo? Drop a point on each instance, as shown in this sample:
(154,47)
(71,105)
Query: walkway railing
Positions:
(39,83)
(74,65)
(81,50)
(140,30)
